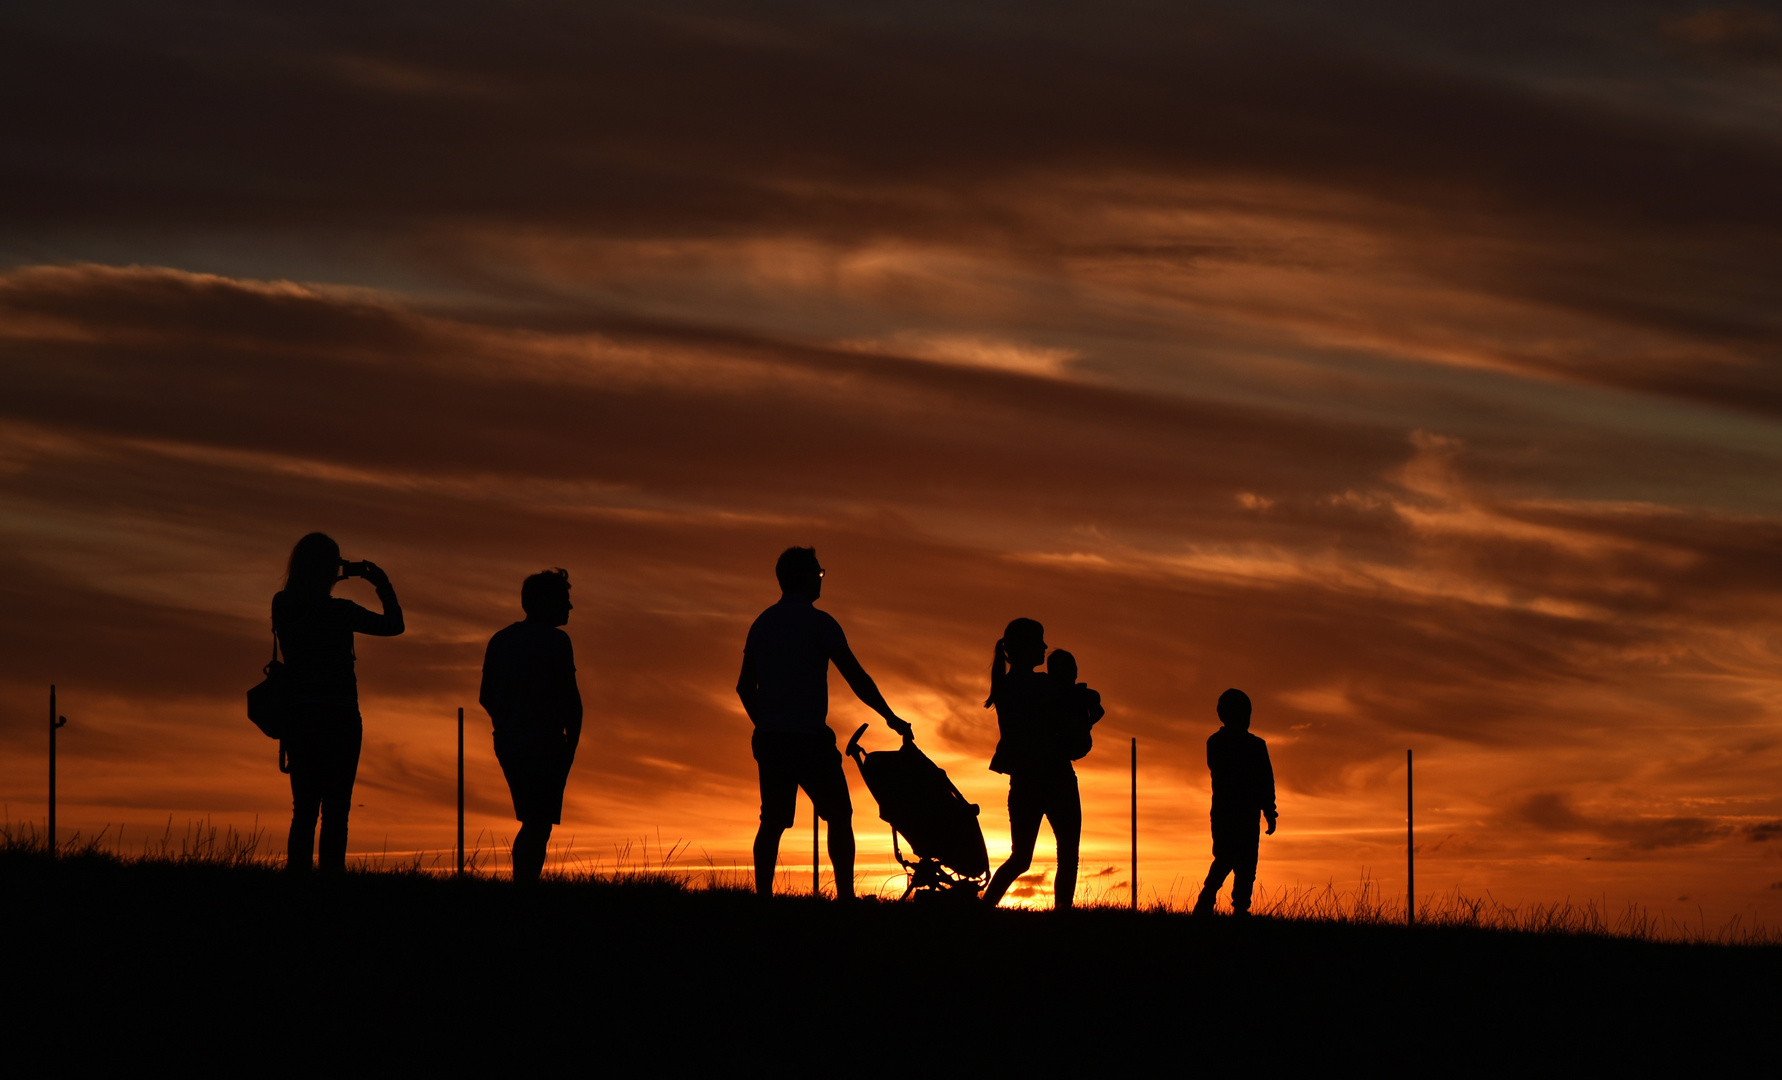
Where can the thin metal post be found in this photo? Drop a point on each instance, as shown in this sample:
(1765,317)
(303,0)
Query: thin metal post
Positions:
(55,722)
(460,791)
(52,770)
(1135,823)
(1410,850)
(814,863)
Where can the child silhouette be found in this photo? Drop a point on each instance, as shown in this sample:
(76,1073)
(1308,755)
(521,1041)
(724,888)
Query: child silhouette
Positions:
(1080,707)
(1243,787)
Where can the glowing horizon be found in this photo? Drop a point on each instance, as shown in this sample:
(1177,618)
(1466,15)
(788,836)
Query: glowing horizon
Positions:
(1417,376)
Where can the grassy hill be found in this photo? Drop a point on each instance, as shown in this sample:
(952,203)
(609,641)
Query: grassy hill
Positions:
(206,964)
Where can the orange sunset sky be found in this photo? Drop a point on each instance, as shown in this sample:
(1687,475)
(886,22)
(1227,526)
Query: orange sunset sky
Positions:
(1415,368)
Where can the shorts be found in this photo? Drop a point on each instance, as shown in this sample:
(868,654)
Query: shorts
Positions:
(789,760)
(537,768)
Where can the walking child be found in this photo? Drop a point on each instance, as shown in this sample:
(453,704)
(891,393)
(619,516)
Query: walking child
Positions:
(1243,788)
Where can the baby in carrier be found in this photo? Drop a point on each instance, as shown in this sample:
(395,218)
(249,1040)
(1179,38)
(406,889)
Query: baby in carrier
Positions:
(1081,706)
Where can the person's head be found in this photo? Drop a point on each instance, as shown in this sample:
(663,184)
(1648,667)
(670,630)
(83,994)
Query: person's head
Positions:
(1024,643)
(1234,709)
(799,572)
(314,565)
(545,597)
(1061,665)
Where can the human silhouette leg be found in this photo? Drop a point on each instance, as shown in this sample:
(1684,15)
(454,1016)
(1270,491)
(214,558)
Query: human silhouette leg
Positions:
(1209,891)
(1025,813)
(1236,839)
(340,748)
(1065,812)
(306,803)
(767,853)
(841,856)
(777,759)
(1243,884)
(530,845)
(1245,845)
(823,779)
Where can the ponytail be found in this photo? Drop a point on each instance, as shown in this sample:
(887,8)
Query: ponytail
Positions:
(1020,632)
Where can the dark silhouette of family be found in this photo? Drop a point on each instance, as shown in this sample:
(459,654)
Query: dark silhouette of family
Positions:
(1044,724)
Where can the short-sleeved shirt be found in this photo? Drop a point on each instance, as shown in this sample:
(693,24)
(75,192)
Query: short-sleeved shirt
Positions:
(791,645)
(529,682)
(1243,776)
(1029,711)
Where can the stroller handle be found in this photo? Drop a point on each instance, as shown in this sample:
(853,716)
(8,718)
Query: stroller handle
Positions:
(856,753)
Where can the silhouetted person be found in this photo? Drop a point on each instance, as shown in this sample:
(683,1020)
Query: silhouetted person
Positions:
(784,687)
(530,693)
(1081,706)
(315,630)
(1243,788)
(1034,752)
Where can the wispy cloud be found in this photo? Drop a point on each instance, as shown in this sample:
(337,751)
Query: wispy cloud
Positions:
(1416,374)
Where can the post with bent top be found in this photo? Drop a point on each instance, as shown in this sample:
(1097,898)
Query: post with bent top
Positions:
(1135,823)
(1410,851)
(460,791)
(54,723)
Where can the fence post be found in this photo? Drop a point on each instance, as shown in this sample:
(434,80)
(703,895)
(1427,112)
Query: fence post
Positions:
(460,791)
(1135,823)
(814,863)
(1410,851)
(54,723)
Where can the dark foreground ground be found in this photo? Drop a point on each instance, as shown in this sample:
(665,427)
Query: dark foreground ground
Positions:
(244,970)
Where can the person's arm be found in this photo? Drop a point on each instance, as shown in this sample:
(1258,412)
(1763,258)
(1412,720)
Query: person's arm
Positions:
(1268,791)
(492,695)
(572,699)
(861,683)
(746,687)
(388,624)
(1095,711)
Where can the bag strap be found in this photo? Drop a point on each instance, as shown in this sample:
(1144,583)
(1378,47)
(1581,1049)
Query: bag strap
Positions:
(275,644)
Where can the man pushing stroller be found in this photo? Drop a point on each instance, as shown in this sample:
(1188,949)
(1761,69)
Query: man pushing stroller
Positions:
(784,687)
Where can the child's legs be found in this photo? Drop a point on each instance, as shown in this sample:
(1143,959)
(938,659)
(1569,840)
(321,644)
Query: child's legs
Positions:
(1235,844)
(1243,865)
(1209,891)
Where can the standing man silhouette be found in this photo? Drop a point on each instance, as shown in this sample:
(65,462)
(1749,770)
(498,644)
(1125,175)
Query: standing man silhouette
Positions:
(1243,787)
(784,687)
(530,692)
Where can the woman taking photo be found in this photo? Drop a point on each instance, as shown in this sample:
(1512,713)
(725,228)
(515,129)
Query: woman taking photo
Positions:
(321,744)
(1042,783)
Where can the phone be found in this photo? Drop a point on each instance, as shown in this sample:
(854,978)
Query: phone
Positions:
(354,569)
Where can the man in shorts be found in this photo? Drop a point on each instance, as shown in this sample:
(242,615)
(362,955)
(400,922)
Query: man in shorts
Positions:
(530,691)
(784,688)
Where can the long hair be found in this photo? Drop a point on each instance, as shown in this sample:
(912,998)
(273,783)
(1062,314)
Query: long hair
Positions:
(314,561)
(1021,632)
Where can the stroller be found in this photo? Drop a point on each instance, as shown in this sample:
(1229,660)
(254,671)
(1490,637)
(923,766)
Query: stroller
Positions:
(917,799)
